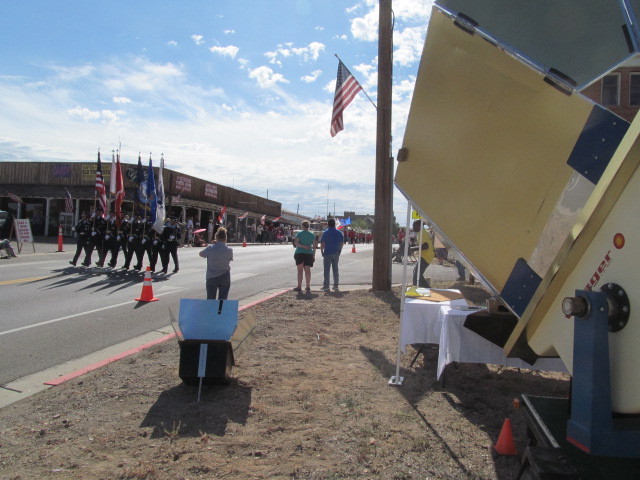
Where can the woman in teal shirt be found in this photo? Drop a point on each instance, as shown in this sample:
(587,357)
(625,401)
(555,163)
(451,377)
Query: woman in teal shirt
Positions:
(305,254)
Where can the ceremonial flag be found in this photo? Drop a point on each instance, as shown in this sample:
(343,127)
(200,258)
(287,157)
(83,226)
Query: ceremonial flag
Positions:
(243,216)
(158,225)
(15,198)
(119,190)
(100,189)
(263,218)
(343,223)
(276,219)
(140,198)
(68,202)
(151,192)
(112,177)
(222,212)
(347,87)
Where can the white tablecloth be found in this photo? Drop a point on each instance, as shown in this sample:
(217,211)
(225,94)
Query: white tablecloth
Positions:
(441,323)
(420,320)
(459,344)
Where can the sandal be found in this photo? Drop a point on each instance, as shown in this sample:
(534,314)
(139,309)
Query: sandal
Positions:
(307,289)
(297,289)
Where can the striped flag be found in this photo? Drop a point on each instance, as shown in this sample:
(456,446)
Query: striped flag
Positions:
(15,198)
(222,212)
(243,216)
(100,189)
(347,87)
(263,218)
(68,202)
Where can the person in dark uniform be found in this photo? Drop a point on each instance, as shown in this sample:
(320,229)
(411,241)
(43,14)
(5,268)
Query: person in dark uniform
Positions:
(96,225)
(115,240)
(103,239)
(155,248)
(146,242)
(83,232)
(125,229)
(144,246)
(170,238)
(135,238)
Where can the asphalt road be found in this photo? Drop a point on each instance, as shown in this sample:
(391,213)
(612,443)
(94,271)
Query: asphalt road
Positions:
(53,313)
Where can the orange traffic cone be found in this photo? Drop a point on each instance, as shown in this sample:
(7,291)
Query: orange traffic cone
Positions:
(506,445)
(244,241)
(353,248)
(60,247)
(147,289)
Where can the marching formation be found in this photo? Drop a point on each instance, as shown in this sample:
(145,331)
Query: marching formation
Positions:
(136,237)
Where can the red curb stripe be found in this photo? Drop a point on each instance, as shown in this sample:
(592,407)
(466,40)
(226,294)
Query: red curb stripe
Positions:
(262,300)
(107,361)
(102,363)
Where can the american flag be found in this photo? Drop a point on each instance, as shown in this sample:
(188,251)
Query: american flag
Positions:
(347,87)
(100,190)
(68,202)
(222,212)
(15,198)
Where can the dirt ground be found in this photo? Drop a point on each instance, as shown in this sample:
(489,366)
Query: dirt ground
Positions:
(309,399)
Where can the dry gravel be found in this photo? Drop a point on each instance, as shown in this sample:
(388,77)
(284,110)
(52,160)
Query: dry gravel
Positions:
(309,400)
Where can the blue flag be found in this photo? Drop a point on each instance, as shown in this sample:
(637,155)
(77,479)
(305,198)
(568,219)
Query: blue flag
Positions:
(151,192)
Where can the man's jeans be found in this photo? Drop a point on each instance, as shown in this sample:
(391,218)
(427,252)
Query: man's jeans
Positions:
(331,261)
(221,283)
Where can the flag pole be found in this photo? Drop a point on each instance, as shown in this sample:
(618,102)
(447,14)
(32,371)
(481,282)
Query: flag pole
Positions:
(363,91)
(95,198)
(119,220)
(133,205)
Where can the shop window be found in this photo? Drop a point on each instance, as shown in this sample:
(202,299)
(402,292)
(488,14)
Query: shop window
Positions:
(634,89)
(611,90)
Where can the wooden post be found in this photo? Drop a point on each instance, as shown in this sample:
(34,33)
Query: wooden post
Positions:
(384,167)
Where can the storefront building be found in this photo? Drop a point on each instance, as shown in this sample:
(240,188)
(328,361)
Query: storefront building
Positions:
(38,191)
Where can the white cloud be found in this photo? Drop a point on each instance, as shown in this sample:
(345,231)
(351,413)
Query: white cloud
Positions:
(307,54)
(408,45)
(366,28)
(202,128)
(89,115)
(228,51)
(172,43)
(319,28)
(266,78)
(311,78)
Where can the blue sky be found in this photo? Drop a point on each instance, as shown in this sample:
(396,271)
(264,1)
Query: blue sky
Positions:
(236,92)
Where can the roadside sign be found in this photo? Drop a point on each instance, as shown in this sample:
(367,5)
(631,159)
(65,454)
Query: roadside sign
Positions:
(22,229)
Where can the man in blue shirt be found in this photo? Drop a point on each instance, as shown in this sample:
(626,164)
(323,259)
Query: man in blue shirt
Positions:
(330,246)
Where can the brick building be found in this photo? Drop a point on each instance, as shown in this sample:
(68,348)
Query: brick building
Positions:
(619,91)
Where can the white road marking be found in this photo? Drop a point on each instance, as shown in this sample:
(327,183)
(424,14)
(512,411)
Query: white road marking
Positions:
(55,320)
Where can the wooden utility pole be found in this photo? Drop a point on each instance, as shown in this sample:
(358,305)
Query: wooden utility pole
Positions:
(384,165)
